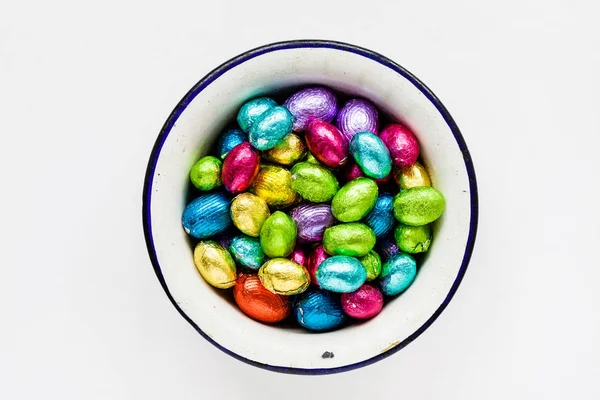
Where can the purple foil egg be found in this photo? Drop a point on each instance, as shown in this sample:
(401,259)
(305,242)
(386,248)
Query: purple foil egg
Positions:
(298,256)
(311,103)
(364,303)
(357,115)
(311,221)
(387,248)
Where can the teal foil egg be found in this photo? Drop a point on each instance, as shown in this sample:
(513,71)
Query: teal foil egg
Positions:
(207,215)
(228,140)
(397,274)
(247,251)
(271,128)
(341,274)
(371,155)
(253,109)
(381,218)
(319,310)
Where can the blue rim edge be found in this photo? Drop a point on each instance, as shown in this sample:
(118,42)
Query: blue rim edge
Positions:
(220,70)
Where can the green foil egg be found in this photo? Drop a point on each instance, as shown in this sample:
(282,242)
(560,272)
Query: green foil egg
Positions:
(372,263)
(351,239)
(413,239)
(354,200)
(278,235)
(314,182)
(311,159)
(418,205)
(206,173)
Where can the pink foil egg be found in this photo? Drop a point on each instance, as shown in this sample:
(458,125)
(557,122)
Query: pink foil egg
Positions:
(311,221)
(315,258)
(311,103)
(402,144)
(364,303)
(298,256)
(352,171)
(327,144)
(240,168)
(357,115)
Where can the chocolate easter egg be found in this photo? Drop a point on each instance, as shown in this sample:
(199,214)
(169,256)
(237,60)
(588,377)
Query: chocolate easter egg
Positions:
(274,185)
(401,143)
(215,264)
(228,140)
(248,213)
(259,303)
(311,103)
(357,115)
(288,152)
(271,128)
(341,274)
(351,239)
(371,155)
(252,110)
(298,255)
(364,303)
(381,218)
(240,168)
(278,235)
(418,205)
(413,239)
(319,310)
(327,144)
(314,182)
(207,215)
(397,274)
(372,263)
(412,176)
(354,200)
(311,221)
(315,258)
(247,251)
(206,173)
(283,276)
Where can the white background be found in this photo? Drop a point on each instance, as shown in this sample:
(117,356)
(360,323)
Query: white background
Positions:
(84,90)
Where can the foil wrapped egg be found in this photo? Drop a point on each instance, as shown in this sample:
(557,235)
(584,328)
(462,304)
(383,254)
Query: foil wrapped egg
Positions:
(206,173)
(207,215)
(274,185)
(357,115)
(371,155)
(314,182)
(354,200)
(311,221)
(315,258)
(228,140)
(364,303)
(283,276)
(310,158)
(387,248)
(240,168)
(419,205)
(372,263)
(341,274)
(288,152)
(413,239)
(248,213)
(401,143)
(326,143)
(351,239)
(259,303)
(352,171)
(311,103)
(215,264)
(381,218)
(397,274)
(319,310)
(247,251)
(299,256)
(278,235)
(412,176)
(271,128)
(252,110)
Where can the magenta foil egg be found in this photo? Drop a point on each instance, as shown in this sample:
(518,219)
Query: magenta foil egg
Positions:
(311,221)
(357,115)
(311,103)
(326,143)
(352,171)
(315,258)
(298,256)
(402,144)
(364,303)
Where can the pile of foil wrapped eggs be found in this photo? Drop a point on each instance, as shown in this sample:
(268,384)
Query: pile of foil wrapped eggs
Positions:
(310,211)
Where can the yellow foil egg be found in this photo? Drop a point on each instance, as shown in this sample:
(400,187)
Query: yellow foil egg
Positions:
(413,176)
(287,152)
(283,276)
(215,264)
(249,212)
(274,185)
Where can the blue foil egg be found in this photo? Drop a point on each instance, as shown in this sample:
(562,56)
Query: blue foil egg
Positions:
(228,140)
(381,218)
(371,155)
(318,310)
(252,110)
(247,251)
(397,274)
(207,215)
(271,128)
(341,274)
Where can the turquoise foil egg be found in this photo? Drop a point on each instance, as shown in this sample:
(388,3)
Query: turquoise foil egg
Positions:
(341,274)
(371,155)
(318,310)
(397,274)
(207,215)
(381,218)
(247,251)
(271,128)
(228,140)
(252,110)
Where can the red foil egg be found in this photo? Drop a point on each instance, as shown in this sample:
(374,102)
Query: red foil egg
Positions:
(240,167)
(298,256)
(259,303)
(402,144)
(364,303)
(315,258)
(352,171)
(326,143)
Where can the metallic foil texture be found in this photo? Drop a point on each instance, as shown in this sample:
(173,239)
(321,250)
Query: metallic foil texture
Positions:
(372,264)
(249,212)
(311,103)
(326,143)
(315,258)
(207,215)
(271,128)
(247,251)
(278,235)
(381,218)
(274,185)
(364,303)
(311,221)
(259,303)
(419,205)
(414,176)
(206,173)
(341,274)
(240,168)
(314,182)
(352,171)
(283,276)
(397,274)
(299,256)
(252,110)
(413,239)
(387,248)
(357,115)
(228,140)
(354,200)
(371,155)
(319,310)
(215,264)
(288,152)
(402,144)
(351,239)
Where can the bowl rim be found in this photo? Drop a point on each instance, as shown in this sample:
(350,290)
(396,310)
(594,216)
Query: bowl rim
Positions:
(295,44)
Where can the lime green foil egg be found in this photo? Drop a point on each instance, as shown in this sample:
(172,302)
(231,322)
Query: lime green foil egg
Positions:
(351,239)
(206,173)
(413,239)
(314,182)
(283,276)
(354,200)
(372,263)
(278,235)
(418,205)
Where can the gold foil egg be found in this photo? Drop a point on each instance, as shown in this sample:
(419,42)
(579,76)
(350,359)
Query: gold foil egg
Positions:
(283,276)
(249,212)
(215,264)
(274,185)
(413,176)
(287,152)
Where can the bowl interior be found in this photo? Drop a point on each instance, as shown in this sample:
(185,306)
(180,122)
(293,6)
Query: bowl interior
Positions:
(190,134)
